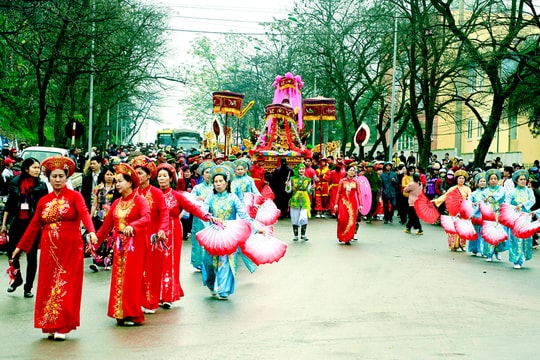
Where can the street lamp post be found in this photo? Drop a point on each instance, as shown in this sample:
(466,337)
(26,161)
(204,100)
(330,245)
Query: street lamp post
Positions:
(394,90)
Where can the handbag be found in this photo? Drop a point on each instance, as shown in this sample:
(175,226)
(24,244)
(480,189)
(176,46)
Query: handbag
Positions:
(4,239)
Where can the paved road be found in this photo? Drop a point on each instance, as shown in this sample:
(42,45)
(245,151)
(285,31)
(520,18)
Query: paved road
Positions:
(388,296)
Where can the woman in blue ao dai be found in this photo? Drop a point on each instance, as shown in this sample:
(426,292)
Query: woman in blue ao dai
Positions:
(201,191)
(493,195)
(523,198)
(476,246)
(241,182)
(219,272)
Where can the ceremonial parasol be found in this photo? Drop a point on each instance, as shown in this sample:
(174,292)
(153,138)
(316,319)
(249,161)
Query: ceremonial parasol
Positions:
(361,138)
(227,103)
(317,109)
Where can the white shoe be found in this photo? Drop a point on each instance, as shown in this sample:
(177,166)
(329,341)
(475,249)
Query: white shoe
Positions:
(517,266)
(148,311)
(489,259)
(222,297)
(498,256)
(59,336)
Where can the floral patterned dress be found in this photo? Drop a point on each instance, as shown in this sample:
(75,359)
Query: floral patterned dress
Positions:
(125,298)
(348,200)
(61,263)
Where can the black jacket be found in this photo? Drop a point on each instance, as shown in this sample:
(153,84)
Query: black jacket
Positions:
(14,200)
(86,187)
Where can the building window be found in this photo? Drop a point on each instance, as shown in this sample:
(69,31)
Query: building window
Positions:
(469,128)
(512,123)
(471,78)
(479,130)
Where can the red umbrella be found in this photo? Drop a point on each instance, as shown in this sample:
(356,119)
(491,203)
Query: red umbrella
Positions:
(220,240)
(453,202)
(425,209)
(264,249)
(493,232)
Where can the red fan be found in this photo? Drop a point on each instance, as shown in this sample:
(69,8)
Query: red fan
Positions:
(508,215)
(268,229)
(264,249)
(525,228)
(465,229)
(493,232)
(425,209)
(268,213)
(267,193)
(447,222)
(224,240)
(192,198)
(453,202)
(467,209)
(249,202)
(477,220)
(487,211)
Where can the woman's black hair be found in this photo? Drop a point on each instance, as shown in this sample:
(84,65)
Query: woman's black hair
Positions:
(416,177)
(25,166)
(104,170)
(349,166)
(224,178)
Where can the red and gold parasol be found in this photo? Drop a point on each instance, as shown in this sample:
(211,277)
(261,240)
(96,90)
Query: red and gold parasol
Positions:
(318,109)
(227,103)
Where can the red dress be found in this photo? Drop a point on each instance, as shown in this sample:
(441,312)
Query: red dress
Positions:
(257,173)
(61,262)
(153,263)
(333,177)
(171,290)
(128,264)
(348,200)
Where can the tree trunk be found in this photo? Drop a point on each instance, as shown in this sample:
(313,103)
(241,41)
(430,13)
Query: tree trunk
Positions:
(490,130)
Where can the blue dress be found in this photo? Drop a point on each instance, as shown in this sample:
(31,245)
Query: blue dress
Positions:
(520,249)
(476,246)
(219,272)
(243,184)
(202,190)
(497,194)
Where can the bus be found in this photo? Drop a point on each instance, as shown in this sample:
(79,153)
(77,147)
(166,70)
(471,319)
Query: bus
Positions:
(165,138)
(179,139)
(187,139)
